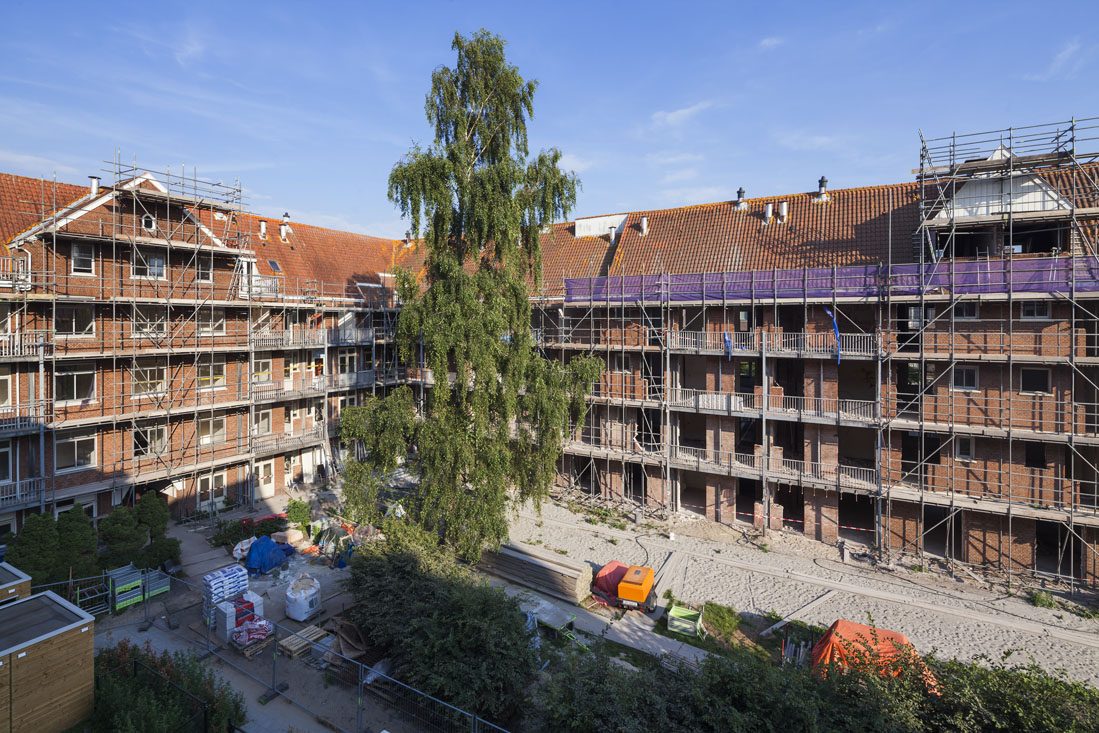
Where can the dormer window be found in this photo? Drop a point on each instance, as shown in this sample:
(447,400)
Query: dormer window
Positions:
(148,223)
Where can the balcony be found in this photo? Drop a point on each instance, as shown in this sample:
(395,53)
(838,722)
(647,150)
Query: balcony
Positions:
(287,338)
(275,443)
(778,406)
(777,343)
(17,417)
(341,336)
(785,470)
(19,494)
(349,380)
(281,389)
(24,343)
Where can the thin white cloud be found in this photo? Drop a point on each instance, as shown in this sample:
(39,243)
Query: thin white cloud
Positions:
(1065,64)
(669,158)
(678,117)
(575,163)
(765,44)
(34,165)
(680,175)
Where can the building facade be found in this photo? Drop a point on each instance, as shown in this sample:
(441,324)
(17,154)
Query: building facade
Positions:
(911,367)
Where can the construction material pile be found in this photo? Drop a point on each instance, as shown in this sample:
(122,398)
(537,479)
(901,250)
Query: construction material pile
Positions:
(541,570)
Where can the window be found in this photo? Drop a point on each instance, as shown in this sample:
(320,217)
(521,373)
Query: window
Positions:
(5,318)
(211,375)
(150,320)
(149,264)
(275,268)
(346,361)
(74,383)
(620,362)
(266,474)
(261,369)
(963,448)
(348,401)
(83,259)
(1034,380)
(965,378)
(5,386)
(148,223)
(149,378)
(261,422)
(211,430)
(150,440)
(211,488)
(1035,455)
(1034,309)
(204,270)
(75,450)
(211,321)
(75,320)
(5,462)
(966,310)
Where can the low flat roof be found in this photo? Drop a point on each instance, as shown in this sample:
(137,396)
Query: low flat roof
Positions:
(34,618)
(10,575)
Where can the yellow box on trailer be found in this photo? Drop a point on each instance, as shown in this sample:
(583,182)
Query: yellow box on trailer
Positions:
(636,585)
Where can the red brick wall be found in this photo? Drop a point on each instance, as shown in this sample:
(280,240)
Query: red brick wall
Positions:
(986,540)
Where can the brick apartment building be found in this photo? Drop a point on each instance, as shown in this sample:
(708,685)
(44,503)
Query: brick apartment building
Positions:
(913,367)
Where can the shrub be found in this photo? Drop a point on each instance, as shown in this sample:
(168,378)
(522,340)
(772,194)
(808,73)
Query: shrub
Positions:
(124,538)
(299,512)
(151,511)
(1041,599)
(160,551)
(78,545)
(36,549)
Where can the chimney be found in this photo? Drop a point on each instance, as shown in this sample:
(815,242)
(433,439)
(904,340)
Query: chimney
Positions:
(611,228)
(284,227)
(741,204)
(768,212)
(783,208)
(822,189)
(263,229)
(94,184)
(644,225)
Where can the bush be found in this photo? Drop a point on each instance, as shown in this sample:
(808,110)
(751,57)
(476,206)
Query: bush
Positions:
(450,634)
(36,549)
(78,545)
(160,551)
(137,703)
(299,512)
(152,512)
(124,538)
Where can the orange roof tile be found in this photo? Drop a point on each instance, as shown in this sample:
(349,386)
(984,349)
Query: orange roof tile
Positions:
(26,201)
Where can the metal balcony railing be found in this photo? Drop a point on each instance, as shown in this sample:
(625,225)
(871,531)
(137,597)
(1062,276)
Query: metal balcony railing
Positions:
(278,443)
(782,405)
(345,335)
(17,494)
(24,416)
(24,343)
(287,338)
(346,380)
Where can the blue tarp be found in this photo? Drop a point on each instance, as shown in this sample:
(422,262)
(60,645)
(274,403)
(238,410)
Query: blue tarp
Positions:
(265,555)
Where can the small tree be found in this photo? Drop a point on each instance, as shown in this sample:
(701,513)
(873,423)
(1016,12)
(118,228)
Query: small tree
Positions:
(35,549)
(151,512)
(123,536)
(78,545)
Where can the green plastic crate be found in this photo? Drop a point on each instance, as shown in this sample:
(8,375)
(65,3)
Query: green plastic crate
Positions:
(683,620)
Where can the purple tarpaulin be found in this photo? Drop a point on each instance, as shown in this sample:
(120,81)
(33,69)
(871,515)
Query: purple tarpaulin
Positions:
(1031,275)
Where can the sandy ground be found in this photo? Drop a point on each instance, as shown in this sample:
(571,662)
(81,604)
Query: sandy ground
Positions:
(724,565)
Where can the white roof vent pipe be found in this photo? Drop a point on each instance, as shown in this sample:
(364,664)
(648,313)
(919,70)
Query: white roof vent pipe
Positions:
(768,212)
(94,184)
(822,189)
(741,202)
(644,225)
(262,229)
(783,209)
(284,227)
(612,230)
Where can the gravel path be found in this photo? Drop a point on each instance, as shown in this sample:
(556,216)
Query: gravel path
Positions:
(724,565)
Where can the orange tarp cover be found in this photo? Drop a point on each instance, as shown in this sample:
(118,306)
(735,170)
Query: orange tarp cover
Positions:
(846,639)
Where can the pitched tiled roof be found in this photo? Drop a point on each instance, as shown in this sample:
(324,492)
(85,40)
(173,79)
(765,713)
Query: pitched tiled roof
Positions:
(26,201)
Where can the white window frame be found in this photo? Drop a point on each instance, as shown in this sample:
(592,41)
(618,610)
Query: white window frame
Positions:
(204,269)
(215,488)
(211,321)
(347,357)
(142,369)
(965,388)
(6,458)
(72,370)
(142,257)
(261,369)
(1049,381)
(1042,313)
(214,377)
(148,222)
(961,315)
(88,254)
(620,363)
(266,469)
(88,332)
(149,321)
(261,419)
(5,386)
(964,448)
(156,440)
(214,429)
(75,438)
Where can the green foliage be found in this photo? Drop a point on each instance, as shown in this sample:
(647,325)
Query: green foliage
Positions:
(144,702)
(36,549)
(1041,599)
(723,621)
(450,634)
(151,511)
(229,533)
(123,537)
(741,692)
(481,203)
(78,545)
(384,428)
(360,493)
(160,551)
(299,512)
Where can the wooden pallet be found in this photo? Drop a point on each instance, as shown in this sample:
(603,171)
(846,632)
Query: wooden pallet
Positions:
(255,647)
(303,641)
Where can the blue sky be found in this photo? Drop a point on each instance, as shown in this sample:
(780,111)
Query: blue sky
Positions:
(653,104)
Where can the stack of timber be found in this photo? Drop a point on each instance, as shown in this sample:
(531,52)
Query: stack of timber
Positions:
(542,570)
